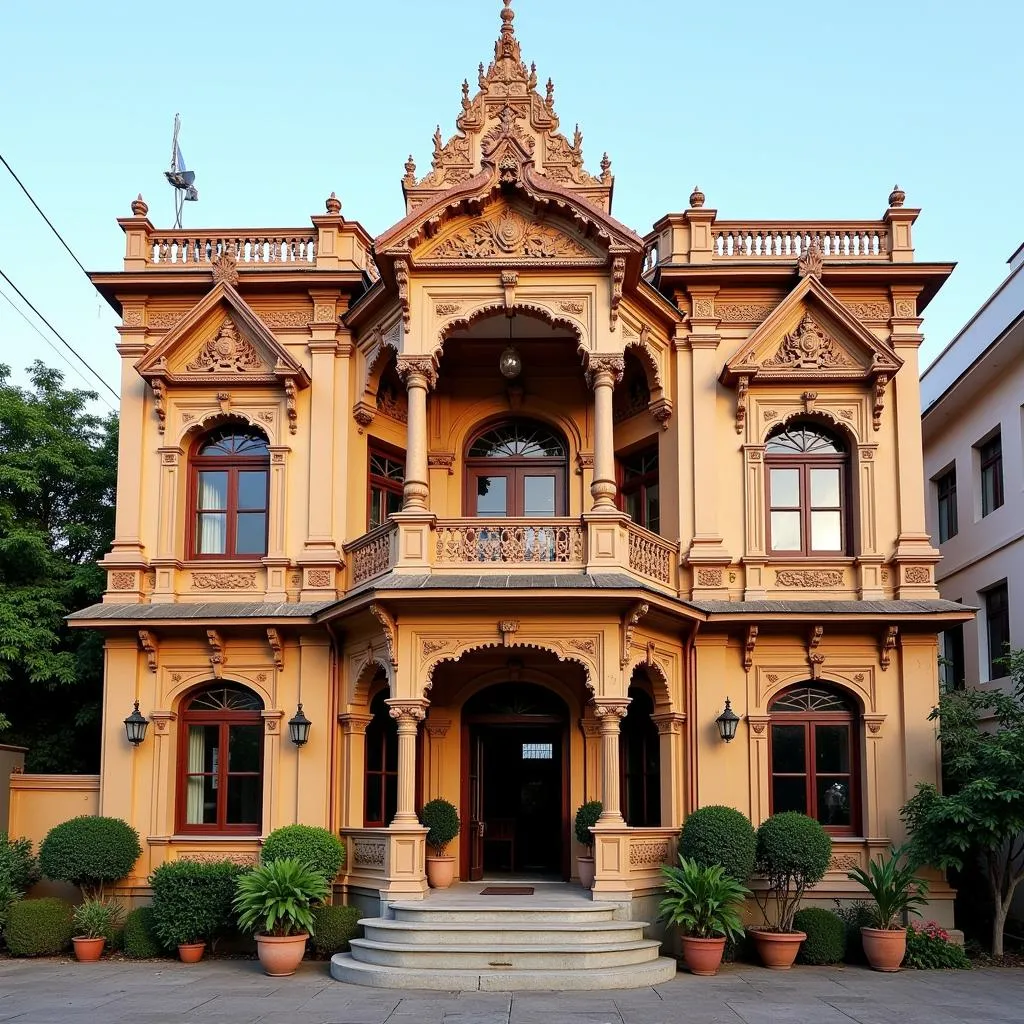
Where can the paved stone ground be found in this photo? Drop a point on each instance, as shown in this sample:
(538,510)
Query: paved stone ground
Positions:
(237,992)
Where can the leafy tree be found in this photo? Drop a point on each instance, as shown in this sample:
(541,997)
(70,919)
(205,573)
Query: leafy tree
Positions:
(58,467)
(982,813)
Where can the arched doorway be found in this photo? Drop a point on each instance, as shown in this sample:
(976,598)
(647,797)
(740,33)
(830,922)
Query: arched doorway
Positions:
(515,744)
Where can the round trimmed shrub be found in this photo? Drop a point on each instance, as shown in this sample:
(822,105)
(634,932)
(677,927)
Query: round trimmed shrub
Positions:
(192,901)
(90,851)
(140,938)
(720,835)
(18,864)
(442,819)
(793,852)
(332,929)
(826,936)
(586,818)
(39,927)
(321,850)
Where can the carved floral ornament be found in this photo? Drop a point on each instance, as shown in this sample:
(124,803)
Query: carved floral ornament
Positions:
(226,352)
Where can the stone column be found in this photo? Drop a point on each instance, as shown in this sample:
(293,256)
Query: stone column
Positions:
(407,715)
(353,767)
(603,373)
(610,711)
(670,726)
(420,376)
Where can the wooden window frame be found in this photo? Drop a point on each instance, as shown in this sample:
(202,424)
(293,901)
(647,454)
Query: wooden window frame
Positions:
(383,451)
(645,732)
(640,483)
(1002,592)
(990,456)
(389,732)
(945,497)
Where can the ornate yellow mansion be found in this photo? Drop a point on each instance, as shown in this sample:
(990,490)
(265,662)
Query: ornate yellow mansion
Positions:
(510,503)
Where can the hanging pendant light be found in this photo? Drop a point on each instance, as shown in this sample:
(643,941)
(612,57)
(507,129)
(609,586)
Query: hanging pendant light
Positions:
(510,363)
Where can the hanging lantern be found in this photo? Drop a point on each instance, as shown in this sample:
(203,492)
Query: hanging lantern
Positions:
(135,726)
(298,727)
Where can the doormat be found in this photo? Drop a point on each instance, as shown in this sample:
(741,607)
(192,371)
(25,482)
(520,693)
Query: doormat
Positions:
(507,890)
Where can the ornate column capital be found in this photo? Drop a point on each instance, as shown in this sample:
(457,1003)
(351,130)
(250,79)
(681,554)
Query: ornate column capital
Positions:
(353,723)
(610,711)
(417,371)
(669,723)
(605,370)
(407,713)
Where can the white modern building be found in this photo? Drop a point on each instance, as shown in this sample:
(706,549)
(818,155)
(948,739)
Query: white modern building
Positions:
(972,398)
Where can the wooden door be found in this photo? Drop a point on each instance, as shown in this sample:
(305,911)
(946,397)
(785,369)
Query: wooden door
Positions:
(476,806)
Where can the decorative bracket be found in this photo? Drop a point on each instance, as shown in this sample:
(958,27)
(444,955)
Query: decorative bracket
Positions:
(274,639)
(748,648)
(148,642)
(627,626)
(809,397)
(389,627)
(814,656)
(216,653)
(888,646)
(881,382)
(742,387)
(508,629)
(159,402)
(509,280)
(402,280)
(290,405)
(618,279)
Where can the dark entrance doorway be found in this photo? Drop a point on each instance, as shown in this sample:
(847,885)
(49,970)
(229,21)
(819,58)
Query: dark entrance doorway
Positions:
(515,783)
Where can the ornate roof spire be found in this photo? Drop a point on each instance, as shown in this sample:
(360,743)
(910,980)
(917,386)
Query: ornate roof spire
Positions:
(507,17)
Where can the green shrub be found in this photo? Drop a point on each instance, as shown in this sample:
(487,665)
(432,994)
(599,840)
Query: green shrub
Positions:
(8,896)
(929,948)
(140,938)
(793,852)
(97,919)
(586,819)
(332,929)
(317,847)
(277,897)
(90,851)
(18,864)
(720,835)
(39,927)
(855,915)
(826,936)
(442,819)
(192,901)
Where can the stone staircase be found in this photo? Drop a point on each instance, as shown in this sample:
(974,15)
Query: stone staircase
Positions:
(511,946)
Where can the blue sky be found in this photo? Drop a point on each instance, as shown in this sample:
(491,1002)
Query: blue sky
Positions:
(787,109)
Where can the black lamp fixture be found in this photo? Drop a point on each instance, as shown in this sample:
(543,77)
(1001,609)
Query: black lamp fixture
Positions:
(510,362)
(135,726)
(298,727)
(727,722)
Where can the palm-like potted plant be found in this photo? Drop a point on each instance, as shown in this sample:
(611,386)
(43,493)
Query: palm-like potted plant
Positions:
(94,921)
(897,892)
(274,900)
(442,821)
(586,819)
(703,903)
(793,853)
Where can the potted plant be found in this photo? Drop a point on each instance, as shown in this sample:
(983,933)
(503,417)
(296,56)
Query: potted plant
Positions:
(703,903)
(94,921)
(586,819)
(442,820)
(274,900)
(793,852)
(896,890)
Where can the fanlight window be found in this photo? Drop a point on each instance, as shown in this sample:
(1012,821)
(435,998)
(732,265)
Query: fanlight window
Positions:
(803,439)
(519,439)
(810,698)
(231,441)
(226,698)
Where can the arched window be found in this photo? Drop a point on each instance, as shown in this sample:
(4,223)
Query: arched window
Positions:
(516,469)
(220,762)
(640,762)
(813,749)
(807,476)
(230,472)
(381,765)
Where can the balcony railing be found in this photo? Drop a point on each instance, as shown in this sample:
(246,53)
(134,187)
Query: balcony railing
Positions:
(372,554)
(535,542)
(775,240)
(200,248)
(652,556)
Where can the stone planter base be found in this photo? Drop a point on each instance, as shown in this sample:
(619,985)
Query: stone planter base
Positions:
(777,950)
(280,955)
(885,948)
(587,871)
(703,957)
(87,950)
(440,872)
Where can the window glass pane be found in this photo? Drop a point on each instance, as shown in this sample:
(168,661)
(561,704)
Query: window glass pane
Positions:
(244,743)
(538,751)
(538,496)
(391,747)
(203,748)
(653,520)
(374,749)
(212,492)
(824,488)
(832,748)
(785,531)
(491,496)
(252,489)
(785,484)
(789,749)
(376,507)
(251,536)
(833,800)
(393,502)
(211,533)
(789,794)
(390,798)
(826,531)
(374,795)
(243,804)
(632,507)
(521,438)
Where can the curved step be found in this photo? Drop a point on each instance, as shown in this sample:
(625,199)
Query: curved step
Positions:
(345,968)
(495,934)
(502,912)
(510,957)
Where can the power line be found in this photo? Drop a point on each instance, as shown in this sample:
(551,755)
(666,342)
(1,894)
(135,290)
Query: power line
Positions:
(60,355)
(59,336)
(39,210)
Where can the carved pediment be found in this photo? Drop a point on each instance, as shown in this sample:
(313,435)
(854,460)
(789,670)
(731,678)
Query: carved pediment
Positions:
(221,340)
(506,235)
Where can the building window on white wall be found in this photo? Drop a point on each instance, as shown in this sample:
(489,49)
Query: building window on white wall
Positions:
(997,628)
(953,665)
(945,494)
(990,454)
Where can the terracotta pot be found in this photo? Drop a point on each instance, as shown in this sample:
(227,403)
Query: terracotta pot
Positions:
(777,950)
(703,956)
(440,872)
(191,952)
(280,955)
(587,871)
(88,950)
(885,948)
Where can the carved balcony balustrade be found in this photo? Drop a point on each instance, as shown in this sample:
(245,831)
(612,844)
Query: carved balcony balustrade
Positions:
(556,543)
(201,248)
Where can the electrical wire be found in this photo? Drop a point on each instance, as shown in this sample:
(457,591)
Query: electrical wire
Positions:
(58,335)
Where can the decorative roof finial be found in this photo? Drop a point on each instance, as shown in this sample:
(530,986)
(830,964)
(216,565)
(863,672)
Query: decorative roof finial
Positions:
(139,207)
(606,169)
(507,17)
(333,205)
(696,198)
(897,197)
(410,171)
